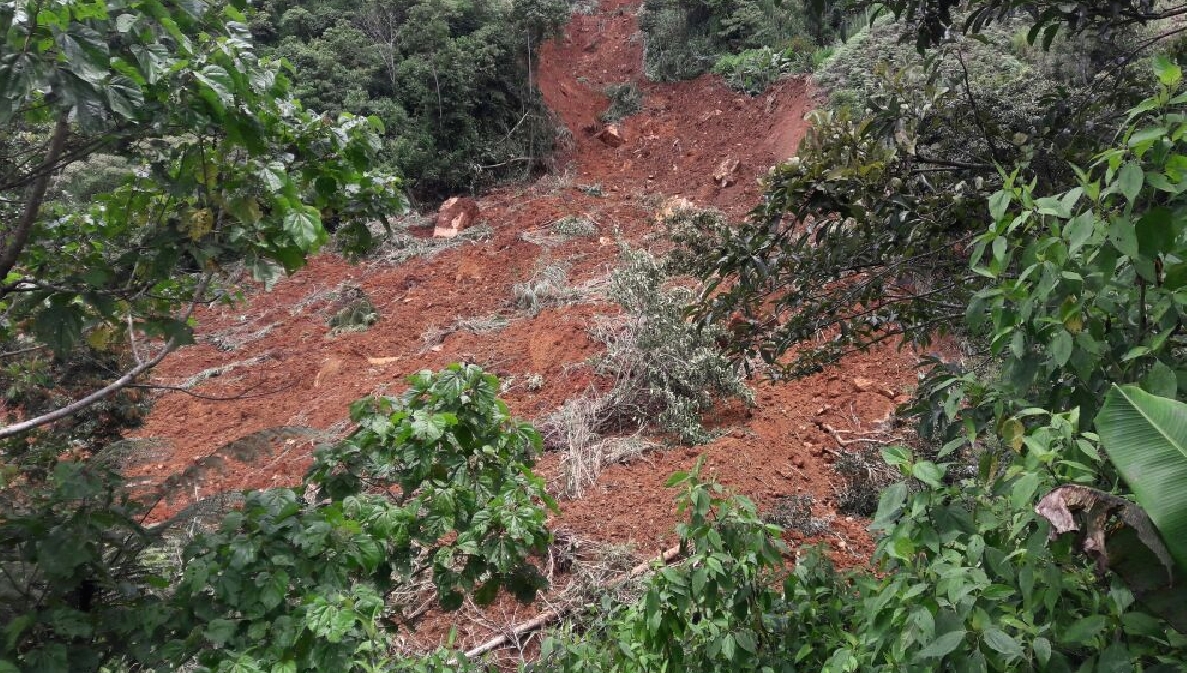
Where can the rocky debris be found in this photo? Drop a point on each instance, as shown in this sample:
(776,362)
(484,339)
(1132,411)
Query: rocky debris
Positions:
(454,216)
(726,173)
(864,385)
(612,136)
(671,206)
(709,115)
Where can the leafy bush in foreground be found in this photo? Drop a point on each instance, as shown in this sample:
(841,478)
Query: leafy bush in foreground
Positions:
(966,581)
(434,485)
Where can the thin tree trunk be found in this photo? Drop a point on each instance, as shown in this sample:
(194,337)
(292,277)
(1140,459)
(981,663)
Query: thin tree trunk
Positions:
(15,241)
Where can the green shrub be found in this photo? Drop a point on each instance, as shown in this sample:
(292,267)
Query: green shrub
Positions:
(625,100)
(753,70)
(705,613)
(355,313)
(684,39)
(666,370)
(965,579)
(435,485)
(548,286)
(821,56)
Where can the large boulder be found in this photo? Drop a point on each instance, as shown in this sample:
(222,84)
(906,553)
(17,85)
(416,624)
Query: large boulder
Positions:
(455,216)
(612,136)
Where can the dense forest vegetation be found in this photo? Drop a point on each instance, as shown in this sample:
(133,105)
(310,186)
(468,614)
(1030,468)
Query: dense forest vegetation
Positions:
(451,81)
(1007,173)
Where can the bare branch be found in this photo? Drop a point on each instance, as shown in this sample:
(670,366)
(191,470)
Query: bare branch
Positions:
(13,354)
(97,396)
(214,398)
(977,112)
(110,389)
(132,341)
(549,616)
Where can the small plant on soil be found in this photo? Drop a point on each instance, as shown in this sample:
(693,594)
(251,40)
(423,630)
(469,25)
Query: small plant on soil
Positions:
(574,226)
(625,100)
(356,312)
(753,70)
(591,190)
(666,373)
(794,512)
(575,430)
(549,286)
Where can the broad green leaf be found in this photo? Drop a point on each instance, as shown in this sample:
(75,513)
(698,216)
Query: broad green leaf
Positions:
(896,455)
(1146,437)
(1051,205)
(1161,380)
(890,505)
(1169,72)
(942,646)
(746,641)
(1002,642)
(929,473)
(305,228)
(1061,347)
(219,631)
(1042,650)
(1084,630)
(998,203)
(1079,229)
(1155,232)
(218,81)
(1023,492)
(1121,233)
(1129,181)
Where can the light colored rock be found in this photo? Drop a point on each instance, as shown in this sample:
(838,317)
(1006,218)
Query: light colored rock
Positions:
(455,216)
(863,385)
(671,206)
(726,173)
(612,136)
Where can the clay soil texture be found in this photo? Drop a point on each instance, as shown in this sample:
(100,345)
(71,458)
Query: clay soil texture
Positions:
(457,305)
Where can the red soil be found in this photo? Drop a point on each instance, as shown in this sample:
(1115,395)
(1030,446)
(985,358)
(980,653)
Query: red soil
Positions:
(304,377)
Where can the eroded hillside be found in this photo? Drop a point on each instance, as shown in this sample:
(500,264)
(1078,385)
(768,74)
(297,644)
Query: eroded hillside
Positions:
(281,366)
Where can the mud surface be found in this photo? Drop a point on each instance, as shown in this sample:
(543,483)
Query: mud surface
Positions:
(277,351)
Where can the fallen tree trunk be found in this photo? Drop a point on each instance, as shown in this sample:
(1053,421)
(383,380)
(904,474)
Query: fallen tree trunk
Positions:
(545,618)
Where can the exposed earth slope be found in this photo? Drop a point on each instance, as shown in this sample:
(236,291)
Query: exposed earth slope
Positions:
(278,347)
